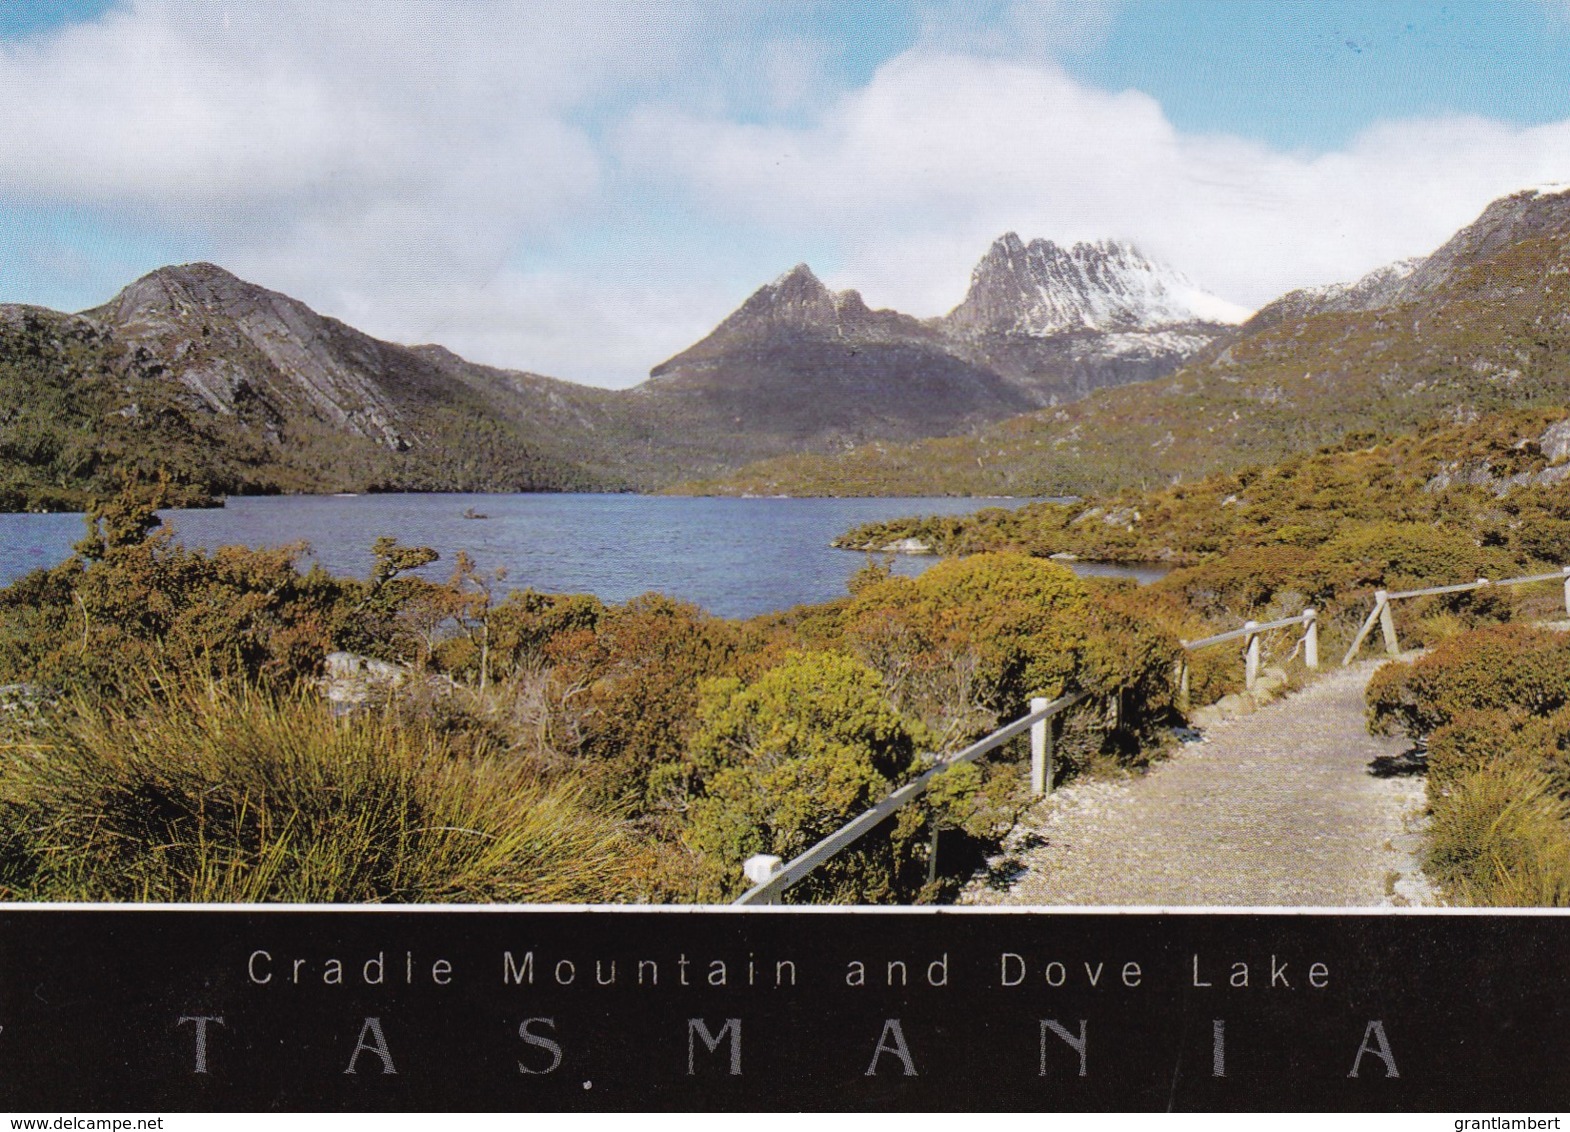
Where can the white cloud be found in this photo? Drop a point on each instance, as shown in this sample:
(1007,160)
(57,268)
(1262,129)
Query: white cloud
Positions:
(1015,28)
(381,150)
(436,172)
(916,172)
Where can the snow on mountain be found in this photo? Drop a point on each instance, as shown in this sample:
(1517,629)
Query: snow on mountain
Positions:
(1041,289)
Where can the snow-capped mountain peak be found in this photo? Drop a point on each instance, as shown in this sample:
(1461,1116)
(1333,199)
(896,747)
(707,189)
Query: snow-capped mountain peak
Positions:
(1042,289)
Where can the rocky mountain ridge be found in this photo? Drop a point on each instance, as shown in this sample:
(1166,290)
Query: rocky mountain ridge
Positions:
(1040,289)
(1481,324)
(255,391)
(1039,326)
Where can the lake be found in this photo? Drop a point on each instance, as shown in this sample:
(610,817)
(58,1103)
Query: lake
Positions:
(734,557)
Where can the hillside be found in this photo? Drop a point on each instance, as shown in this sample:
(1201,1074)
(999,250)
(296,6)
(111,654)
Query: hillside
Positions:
(229,387)
(1482,324)
(1496,482)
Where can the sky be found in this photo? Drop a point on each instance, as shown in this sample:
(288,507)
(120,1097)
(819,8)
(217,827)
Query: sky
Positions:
(584,189)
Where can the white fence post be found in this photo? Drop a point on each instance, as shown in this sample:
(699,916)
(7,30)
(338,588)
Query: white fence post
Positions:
(760,868)
(1387,623)
(1362,633)
(1311,637)
(1040,749)
(1251,669)
(1566,572)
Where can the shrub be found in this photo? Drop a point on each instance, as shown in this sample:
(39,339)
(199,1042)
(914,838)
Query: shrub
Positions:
(777,765)
(1470,742)
(1501,667)
(524,623)
(1249,582)
(1397,556)
(1500,836)
(632,682)
(1015,624)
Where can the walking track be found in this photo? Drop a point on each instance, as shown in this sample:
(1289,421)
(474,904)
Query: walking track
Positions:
(1277,807)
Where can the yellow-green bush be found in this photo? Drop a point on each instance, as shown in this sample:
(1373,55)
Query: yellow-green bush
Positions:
(778,764)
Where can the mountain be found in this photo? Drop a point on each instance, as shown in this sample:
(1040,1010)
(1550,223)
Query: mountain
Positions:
(1040,289)
(1378,288)
(810,368)
(230,387)
(1481,324)
(1063,322)
(803,365)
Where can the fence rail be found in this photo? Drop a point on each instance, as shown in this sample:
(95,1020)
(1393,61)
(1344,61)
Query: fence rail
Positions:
(1381,614)
(1249,634)
(770,877)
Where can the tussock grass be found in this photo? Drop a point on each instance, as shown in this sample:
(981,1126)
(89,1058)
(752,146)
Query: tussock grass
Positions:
(228,794)
(1500,838)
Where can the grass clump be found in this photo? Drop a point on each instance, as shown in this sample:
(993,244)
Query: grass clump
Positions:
(1499,838)
(1490,704)
(229,794)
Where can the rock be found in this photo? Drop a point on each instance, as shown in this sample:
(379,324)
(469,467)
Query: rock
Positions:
(906,546)
(350,680)
(19,697)
(1555,442)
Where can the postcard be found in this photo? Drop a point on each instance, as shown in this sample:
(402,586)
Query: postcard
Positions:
(941,554)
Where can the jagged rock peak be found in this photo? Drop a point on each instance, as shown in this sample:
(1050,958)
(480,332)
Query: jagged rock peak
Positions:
(1041,288)
(799,298)
(1377,288)
(181,288)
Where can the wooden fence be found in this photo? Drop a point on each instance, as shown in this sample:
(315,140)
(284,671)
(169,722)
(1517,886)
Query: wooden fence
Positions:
(1387,625)
(770,876)
(1249,634)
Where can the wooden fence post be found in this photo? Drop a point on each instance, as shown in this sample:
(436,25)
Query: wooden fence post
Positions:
(760,868)
(1387,623)
(1040,749)
(1182,684)
(1566,572)
(1311,637)
(1362,633)
(1251,656)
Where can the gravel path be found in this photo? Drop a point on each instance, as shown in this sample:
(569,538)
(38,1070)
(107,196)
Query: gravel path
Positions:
(1278,807)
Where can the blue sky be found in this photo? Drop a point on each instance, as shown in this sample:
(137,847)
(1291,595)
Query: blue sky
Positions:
(584,189)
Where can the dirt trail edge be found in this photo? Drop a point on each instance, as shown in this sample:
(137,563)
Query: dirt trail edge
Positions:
(1280,807)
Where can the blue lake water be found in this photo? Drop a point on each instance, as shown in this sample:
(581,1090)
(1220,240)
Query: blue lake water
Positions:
(734,557)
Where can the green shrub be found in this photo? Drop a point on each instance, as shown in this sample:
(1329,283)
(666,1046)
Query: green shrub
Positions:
(779,764)
(1013,624)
